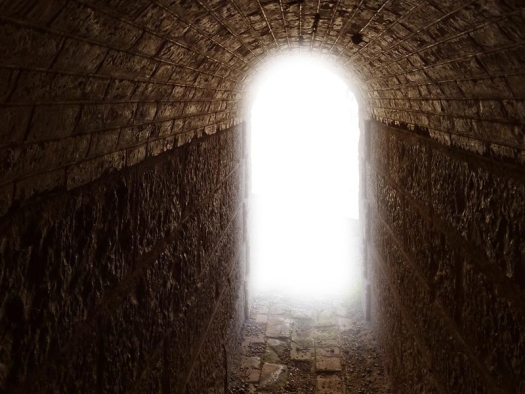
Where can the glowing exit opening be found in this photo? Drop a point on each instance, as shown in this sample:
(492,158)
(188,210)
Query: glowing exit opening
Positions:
(305,183)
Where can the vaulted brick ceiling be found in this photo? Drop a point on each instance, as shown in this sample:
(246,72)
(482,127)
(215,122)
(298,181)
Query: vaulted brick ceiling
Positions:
(413,54)
(81,68)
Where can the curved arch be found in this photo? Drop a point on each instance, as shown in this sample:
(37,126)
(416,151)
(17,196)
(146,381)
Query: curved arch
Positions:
(256,76)
(304,180)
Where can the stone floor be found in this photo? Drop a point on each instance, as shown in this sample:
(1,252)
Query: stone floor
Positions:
(307,346)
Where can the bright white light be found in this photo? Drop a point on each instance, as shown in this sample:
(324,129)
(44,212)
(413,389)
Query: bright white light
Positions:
(305,180)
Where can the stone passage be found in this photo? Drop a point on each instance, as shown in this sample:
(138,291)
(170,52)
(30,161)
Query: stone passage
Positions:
(445,259)
(122,233)
(133,284)
(314,346)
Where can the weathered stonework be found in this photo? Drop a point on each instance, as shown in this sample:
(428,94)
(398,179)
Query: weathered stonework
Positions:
(120,167)
(448,269)
(124,280)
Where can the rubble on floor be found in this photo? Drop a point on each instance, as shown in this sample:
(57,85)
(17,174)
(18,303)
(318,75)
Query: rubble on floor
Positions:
(307,346)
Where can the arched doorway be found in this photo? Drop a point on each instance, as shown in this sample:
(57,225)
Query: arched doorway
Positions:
(305,183)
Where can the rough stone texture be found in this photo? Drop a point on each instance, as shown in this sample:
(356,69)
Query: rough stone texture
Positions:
(446,271)
(329,384)
(346,361)
(92,89)
(452,71)
(129,283)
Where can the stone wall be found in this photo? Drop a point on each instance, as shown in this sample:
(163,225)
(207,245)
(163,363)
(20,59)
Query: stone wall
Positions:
(132,283)
(91,87)
(99,100)
(446,263)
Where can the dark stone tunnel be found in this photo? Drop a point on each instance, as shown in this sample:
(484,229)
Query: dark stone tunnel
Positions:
(123,170)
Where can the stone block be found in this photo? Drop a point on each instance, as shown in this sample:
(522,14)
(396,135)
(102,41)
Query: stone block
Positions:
(148,44)
(159,19)
(303,351)
(86,22)
(27,47)
(39,13)
(124,65)
(25,160)
(344,323)
(302,333)
(80,56)
(53,122)
(328,364)
(275,350)
(104,116)
(135,155)
(447,283)
(329,384)
(120,89)
(331,351)
(131,136)
(302,314)
(159,146)
(147,91)
(145,112)
(273,377)
(326,336)
(326,318)
(189,253)
(170,110)
(447,177)
(279,309)
(261,318)
(251,367)
(103,142)
(164,72)
(127,341)
(230,144)
(278,327)
(210,371)
(162,129)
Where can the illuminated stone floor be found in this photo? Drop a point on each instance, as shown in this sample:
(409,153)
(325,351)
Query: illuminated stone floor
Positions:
(315,346)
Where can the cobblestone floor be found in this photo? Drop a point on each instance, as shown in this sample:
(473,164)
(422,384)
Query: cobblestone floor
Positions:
(297,346)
